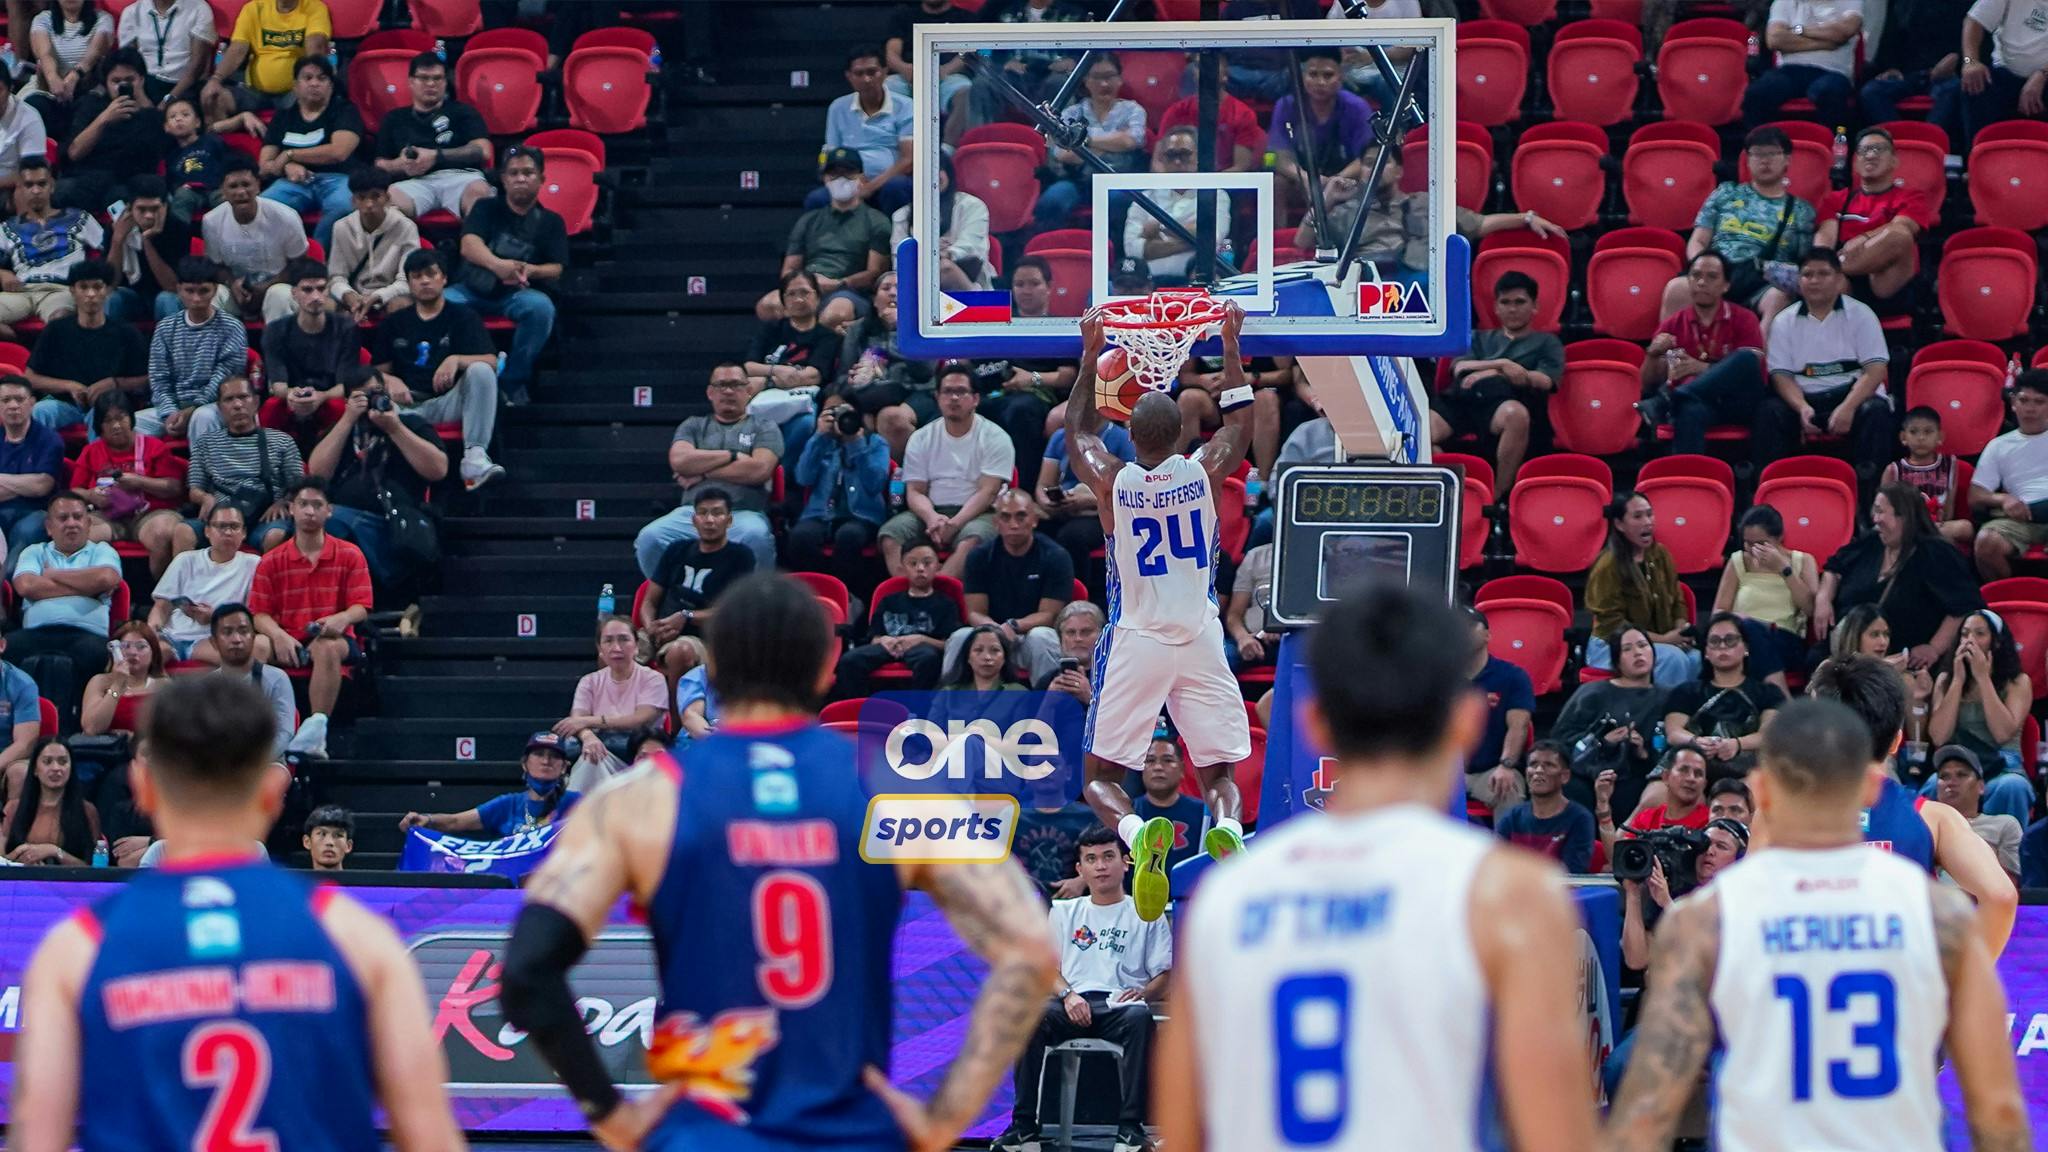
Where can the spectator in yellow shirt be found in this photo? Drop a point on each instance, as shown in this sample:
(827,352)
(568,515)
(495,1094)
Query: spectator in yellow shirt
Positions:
(270,37)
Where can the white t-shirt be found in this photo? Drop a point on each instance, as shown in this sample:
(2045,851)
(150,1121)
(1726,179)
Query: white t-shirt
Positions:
(1811,13)
(165,39)
(258,250)
(1105,947)
(1179,203)
(21,134)
(1821,354)
(2015,463)
(70,45)
(951,466)
(194,576)
(2019,33)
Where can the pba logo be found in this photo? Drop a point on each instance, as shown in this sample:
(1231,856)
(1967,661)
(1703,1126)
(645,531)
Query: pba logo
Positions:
(948,773)
(1391,299)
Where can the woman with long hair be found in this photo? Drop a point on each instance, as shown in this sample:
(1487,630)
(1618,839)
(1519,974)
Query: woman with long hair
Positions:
(51,822)
(114,699)
(1863,631)
(1904,568)
(1635,581)
(1981,703)
(983,663)
(69,42)
(1723,713)
(1609,725)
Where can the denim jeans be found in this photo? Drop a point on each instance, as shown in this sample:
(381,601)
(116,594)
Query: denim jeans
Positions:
(1726,393)
(326,191)
(1881,98)
(749,530)
(367,531)
(532,314)
(1674,665)
(2000,100)
(55,414)
(23,525)
(1832,93)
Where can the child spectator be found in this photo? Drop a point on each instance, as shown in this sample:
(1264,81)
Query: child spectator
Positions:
(1932,472)
(197,162)
(912,625)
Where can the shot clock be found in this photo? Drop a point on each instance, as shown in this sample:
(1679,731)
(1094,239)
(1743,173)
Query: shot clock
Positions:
(1341,524)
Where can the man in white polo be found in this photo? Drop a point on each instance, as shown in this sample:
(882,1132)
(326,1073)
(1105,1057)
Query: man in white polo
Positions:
(1828,363)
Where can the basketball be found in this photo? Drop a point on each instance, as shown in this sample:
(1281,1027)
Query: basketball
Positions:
(1117,389)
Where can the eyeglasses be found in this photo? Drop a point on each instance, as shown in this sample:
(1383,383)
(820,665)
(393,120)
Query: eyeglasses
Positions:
(1757,155)
(1874,150)
(728,385)
(957,393)
(1723,641)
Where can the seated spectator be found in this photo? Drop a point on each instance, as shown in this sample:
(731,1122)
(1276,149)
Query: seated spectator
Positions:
(308,594)
(1156,793)
(132,482)
(21,722)
(1361,71)
(513,250)
(1338,123)
(1165,254)
(1104,991)
(982,662)
(329,837)
(1730,799)
(1994,86)
(731,449)
(594,768)
(1018,397)
(1611,725)
(52,822)
(31,468)
(1959,783)
(1875,225)
(1724,712)
(2011,481)
(1240,139)
(911,626)
(197,164)
(963,239)
(68,43)
(114,699)
(1493,766)
(1816,42)
(893,392)
(244,464)
(378,460)
(1828,364)
(544,801)
(846,472)
(1980,705)
(954,78)
(1313,441)
(1395,236)
(1707,359)
(1903,569)
(122,138)
(66,584)
(1760,228)
(254,239)
(1634,581)
(1069,505)
(1548,823)
(256,67)
(1908,62)
(178,43)
(620,698)
(1510,369)
(234,644)
(1034,72)
(876,123)
(951,472)
(304,357)
(1079,625)
(41,245)
(310,147)
(696,705)
(1771,588)
(1116,135)
(687,582)
(1018,585)
(366,262)
(441,354)
(80,357)
(1934,474)
(435,147)
(1252,643)
(790,355)
(21,133)
(199,583)
(190,356)
(1682,803)
(147,244)
(845,246)
(1048,841)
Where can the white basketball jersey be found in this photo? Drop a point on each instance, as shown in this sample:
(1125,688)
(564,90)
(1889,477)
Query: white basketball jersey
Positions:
(1341,1006)
(1162,550)
(1831,1003)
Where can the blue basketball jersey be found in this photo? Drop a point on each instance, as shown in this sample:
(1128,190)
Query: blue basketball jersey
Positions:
(773,939)
(219,1015)
(1894,824)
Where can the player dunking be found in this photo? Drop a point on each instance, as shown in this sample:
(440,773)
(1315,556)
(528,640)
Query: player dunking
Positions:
(220,1002)
(1833,978)
(1163,642)
(772,936)
(1364,978)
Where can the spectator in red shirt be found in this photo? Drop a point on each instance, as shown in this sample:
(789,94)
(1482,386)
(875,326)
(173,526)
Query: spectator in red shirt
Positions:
(1240,142)
(1876,227)
(1685,788)
(308,595)
(1708,358)
(131,481)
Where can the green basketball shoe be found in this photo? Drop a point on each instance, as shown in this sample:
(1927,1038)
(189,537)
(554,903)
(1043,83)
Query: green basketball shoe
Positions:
(1149,889)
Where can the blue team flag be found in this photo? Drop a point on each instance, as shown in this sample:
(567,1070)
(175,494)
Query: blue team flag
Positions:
(974,307)
(512,857)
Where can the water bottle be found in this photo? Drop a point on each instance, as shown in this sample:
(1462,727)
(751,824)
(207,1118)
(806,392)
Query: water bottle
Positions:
(256,378)
(654,59)
(1253,488)
(1226,257)
(896,492)
(1840,169)
(2012,371)
(1671,365)
(99,853)
(1657,738)
(1755,48)
(606,603)
(441,50)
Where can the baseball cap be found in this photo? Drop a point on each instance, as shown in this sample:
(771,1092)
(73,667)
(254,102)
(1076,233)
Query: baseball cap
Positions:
(548,740)
(841,160)
(1948,752)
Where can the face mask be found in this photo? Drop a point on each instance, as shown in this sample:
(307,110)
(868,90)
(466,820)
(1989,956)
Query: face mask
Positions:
(543,788)
(842,190)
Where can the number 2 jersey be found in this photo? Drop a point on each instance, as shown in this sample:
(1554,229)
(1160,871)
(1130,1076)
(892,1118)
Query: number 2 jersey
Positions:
(1340,1003)
(1161,550)
(218,1014)
(1831,1003)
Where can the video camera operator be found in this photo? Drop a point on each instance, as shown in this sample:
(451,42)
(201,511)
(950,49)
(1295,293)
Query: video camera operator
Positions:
(847,471)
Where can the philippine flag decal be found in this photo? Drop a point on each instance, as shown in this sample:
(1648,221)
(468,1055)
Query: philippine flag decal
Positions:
(974,307)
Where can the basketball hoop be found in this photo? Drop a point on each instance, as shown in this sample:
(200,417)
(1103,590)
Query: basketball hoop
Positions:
(1156,331)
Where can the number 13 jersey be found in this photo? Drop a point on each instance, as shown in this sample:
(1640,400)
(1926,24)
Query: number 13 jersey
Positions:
(1161,548)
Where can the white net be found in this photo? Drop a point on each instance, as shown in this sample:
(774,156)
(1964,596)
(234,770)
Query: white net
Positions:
(1156,332)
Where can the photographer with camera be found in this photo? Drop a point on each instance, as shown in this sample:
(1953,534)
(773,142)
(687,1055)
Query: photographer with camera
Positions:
(847,472)
(1684,806)
(1612,724)
(378,461)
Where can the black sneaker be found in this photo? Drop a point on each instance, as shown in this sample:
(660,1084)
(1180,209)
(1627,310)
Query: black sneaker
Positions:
(1656,408)
(1015,1139)
(1132,1138)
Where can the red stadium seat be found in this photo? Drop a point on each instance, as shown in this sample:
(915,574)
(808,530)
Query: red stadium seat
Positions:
(1003,132)
(575,138)
(569,187)
(1626,276)
(1525,586)
(1557,523)
(225,12)
(1702,70)
(13,356)
(1967,393)
(2008,168)
(503,85)
(353,19)
(412,41)
(447,19)
(1548,260)
(1667,172)
(619,36)
(1527,13)
(1693,516)
(607,89)
(1556,172)
(839,710)
(1812,156)
(1530,635)
(377,82)
(1073,271)
(1233,527)
(1820,514)
(1070,238)
(827,587)
(1493,70)
(1475,527)
(1593,408)
(1473,163)
(1815,467)
(1979,351)
(1152,78)
(1922,149)
(1475,468)
(1592,71)
(1004,176)
(523,39)
(2033,589)
(1987,282)
(1711,468)
(46,715)
(2028,620)
(1572,464)
(1629,12)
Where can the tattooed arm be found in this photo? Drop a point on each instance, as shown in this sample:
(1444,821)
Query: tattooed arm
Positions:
(996,910)
(1674,1031)
(1978,1043)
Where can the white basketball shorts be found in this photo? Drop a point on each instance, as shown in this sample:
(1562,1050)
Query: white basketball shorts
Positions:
(1136,673)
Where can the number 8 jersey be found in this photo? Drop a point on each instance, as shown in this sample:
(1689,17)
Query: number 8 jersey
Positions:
(1162,542)
(1831,1003)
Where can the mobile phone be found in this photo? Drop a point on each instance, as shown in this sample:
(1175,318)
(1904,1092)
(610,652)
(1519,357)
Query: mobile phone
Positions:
(1055,495)
(1069,664)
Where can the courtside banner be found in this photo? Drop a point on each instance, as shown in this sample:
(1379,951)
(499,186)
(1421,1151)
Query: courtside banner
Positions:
(497,1081)
(2023,969)
(512,857)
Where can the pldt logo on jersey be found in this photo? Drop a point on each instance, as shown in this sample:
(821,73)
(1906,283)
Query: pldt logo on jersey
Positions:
(1393,300)
(948,773)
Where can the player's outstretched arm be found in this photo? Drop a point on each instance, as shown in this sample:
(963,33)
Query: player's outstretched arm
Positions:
(1974,866)
(1225,450)
(1526,934)
(1675,1030)
(48,1052)
(1092,461)
(996,910)
(411,1073)
(1977,1041)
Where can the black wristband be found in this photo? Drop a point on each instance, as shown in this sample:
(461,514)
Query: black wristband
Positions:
(534,991)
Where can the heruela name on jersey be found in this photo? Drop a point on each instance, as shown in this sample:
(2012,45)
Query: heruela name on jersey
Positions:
(1854,932)
(1184,494)
(1304,917)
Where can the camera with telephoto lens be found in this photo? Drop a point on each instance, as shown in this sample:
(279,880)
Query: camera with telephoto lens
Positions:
(846,418)
(380,401)
(1678,849)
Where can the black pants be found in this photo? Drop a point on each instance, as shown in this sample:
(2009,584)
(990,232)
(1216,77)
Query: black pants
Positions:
(60,658)
(857,668)
(1871,436)
(808,539)
(1022,415)
(1726,393)
(1129,1025)
(1081,536)
(1833,94)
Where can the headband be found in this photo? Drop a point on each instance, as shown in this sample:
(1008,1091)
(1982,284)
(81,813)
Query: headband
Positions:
(1996,621)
